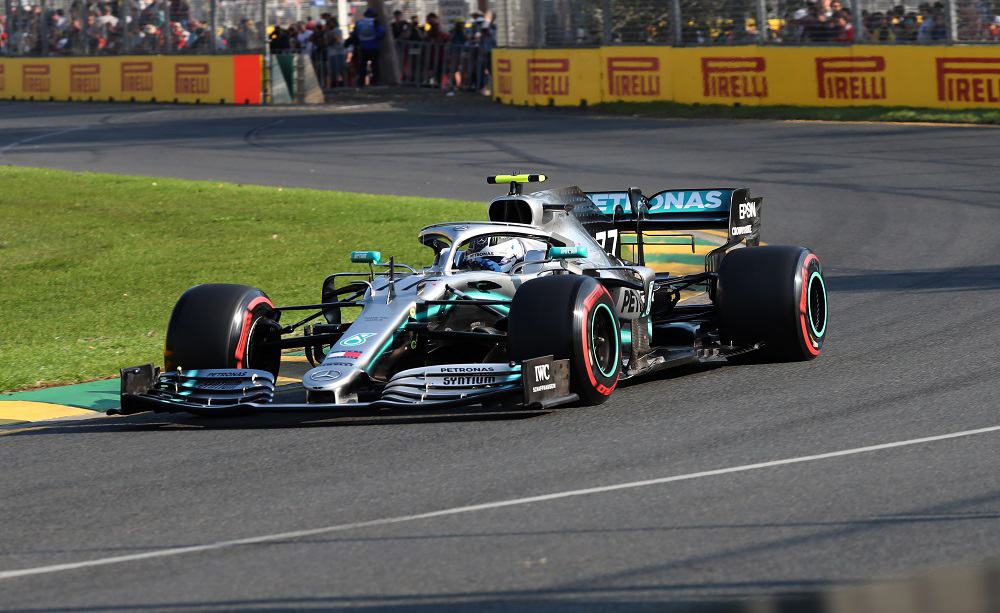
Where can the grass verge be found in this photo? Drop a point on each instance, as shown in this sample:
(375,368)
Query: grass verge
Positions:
(864,113)
(91,264)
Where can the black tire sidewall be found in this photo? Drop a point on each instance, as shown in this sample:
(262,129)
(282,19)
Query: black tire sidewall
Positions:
(211,326)
(554,315)
(762,299)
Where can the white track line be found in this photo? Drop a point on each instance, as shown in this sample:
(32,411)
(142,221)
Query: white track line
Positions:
(284,536)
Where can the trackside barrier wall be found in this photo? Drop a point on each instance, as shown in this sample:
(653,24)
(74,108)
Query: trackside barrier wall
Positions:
(953,77)
(229,79)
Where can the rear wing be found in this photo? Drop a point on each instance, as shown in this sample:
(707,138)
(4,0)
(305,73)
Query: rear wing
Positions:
(729,209)
(684,209)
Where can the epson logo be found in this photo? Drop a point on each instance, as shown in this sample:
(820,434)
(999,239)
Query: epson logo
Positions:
(748,209)
(469,380)
(467,369)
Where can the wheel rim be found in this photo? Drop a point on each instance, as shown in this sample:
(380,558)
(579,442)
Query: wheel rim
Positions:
(817,304)
(262,330)
(604,340)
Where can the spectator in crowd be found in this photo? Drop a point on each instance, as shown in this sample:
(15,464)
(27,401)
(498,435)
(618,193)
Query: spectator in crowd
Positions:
(487,41)
(879,29)
(815,28)
(434,34)
(178,36)
(399,26)
(333,53)
(455,57)
(906,28)
(96,36)
(199,37)
(242,37)
(940,32)
(319,42)
(415,32)
(925,31)
(366,38)
(280,39)
(842,26)
(433,31)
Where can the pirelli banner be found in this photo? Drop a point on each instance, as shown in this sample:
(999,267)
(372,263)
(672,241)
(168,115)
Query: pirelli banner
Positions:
(945,77)
(229,79)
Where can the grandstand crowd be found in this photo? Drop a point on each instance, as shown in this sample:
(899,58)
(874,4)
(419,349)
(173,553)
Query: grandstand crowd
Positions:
(93,28)
(829,21)
(429,53)
(817,21)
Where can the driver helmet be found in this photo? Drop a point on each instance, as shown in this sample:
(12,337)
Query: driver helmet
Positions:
(501,257)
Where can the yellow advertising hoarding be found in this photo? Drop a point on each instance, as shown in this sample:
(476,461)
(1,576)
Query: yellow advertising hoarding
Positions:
(546,76)
(953,77)
(231,79)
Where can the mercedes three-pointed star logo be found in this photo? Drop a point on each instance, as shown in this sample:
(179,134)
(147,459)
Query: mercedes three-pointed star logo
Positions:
(325,375)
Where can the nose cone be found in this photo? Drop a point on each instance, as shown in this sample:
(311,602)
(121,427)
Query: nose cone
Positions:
(328,378)
(323,377)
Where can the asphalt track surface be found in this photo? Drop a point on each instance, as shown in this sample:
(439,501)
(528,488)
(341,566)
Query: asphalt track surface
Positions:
(905,219)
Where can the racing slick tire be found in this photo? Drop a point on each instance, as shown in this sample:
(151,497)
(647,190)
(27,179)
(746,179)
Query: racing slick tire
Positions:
(569,317)
(773,295)
(219,325)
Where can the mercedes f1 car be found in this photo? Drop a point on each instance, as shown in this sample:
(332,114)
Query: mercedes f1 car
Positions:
(549,302)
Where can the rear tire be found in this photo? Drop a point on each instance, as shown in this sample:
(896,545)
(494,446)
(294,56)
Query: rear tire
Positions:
(220,325)
(775,295)
(569,317)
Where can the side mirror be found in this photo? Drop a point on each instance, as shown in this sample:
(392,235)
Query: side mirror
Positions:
(567,253)
(366,257)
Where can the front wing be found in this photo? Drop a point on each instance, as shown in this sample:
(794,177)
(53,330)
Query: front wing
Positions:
(536,383)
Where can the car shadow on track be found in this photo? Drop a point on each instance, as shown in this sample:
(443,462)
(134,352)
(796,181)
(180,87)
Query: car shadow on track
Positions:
(153,422)
(549,601)
(960,278)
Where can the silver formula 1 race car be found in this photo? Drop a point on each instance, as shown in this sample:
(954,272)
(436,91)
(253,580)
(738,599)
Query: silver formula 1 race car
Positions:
(549,302)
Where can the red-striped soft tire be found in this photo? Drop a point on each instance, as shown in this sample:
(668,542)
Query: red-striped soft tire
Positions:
(569,317)
(775,295)
(218,325)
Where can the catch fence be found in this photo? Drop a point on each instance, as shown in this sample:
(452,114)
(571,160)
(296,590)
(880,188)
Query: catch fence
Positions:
(128,27)
(420,64)
(455,66)
(53,28)
(590,23)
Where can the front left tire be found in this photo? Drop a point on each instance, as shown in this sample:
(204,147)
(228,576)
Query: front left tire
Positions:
(569,317)
(219,325)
